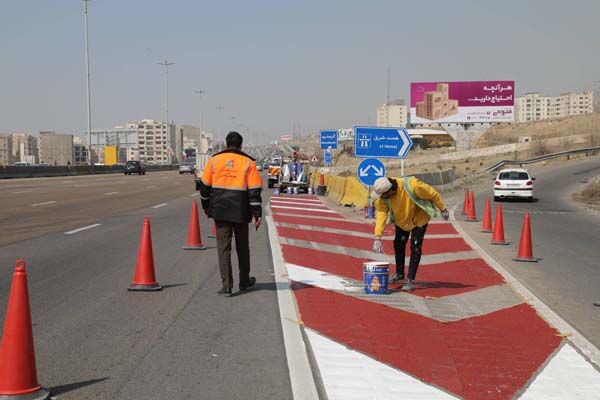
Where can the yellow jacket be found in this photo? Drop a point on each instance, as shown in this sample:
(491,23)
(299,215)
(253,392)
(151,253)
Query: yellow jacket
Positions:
(407,215)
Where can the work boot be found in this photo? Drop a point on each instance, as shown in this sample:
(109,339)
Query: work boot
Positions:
(248,285)
(408,286)
(396,278)
(226,291)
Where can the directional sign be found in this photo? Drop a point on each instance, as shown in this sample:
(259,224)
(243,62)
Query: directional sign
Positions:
(369,170)
(327,157)
(329,140)
(371,141)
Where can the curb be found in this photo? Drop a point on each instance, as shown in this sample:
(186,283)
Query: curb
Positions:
(575,337)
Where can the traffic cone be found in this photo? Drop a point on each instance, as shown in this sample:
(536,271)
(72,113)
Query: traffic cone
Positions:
(322,188)
(471,215)
(486,226)
(194,239)
(213,233)
(525,252)
(498,235)
(465,203)
(144,279)
(18,375)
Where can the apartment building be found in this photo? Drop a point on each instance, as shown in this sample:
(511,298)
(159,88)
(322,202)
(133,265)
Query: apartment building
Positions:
(79,151)
(6,152)
(24,148)
(155,145)
(393,113)
(535,107)
(55,148)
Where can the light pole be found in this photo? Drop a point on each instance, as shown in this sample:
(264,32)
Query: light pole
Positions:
(200,93)
(166,64)
(87,78)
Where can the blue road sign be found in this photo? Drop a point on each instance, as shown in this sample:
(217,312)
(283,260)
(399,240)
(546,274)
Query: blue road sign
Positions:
(371,141)
(369,170)
(329,140)
(327,157)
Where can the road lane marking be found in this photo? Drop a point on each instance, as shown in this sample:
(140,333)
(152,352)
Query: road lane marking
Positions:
(150,187)
(194,194)
(82,229)
(23,191)
(316,210)
(160,205)
(41,204)
(110,193)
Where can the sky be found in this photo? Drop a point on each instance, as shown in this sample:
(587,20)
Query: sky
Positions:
(269,66)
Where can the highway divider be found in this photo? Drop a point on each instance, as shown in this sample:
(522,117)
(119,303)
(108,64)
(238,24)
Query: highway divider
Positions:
(11,172)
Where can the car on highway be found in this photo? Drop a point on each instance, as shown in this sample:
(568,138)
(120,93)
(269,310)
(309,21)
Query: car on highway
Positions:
(513,183)
(187,168)
(135,167)
(259,167)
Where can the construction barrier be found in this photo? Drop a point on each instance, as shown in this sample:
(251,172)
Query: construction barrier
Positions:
(356,194)
(336,187)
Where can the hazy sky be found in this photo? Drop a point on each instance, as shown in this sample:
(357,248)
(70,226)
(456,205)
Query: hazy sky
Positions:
(269,63)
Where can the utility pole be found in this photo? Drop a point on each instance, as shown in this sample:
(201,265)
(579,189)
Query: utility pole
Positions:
(166,64)
(87,78)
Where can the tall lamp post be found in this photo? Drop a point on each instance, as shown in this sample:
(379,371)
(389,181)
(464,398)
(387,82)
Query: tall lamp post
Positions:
(166,64)
(200,93)
(87,78)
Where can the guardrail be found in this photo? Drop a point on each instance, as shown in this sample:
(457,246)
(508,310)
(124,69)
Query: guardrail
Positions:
(502,163)
(11,172)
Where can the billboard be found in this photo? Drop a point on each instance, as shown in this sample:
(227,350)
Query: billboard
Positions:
(286,138)
(462,102)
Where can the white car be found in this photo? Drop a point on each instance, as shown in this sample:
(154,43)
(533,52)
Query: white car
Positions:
(187,169)
(513,182)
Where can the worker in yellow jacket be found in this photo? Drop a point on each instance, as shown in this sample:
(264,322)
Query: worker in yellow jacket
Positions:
(409,204)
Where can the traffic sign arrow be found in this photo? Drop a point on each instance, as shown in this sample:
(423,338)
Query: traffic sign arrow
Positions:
(365,171)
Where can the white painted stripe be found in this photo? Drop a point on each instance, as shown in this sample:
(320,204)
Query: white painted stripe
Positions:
(110,193)
(301,376)
(285,200)
(298,203)
(350,375)
(41,204)
(82,229)
(150,187)
(320,279)
(160,205)
(80,186)
(304,209)
(567,376)
(23,191)
(194,194)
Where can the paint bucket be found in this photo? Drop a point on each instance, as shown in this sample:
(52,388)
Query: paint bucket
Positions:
(376,277)
(276,192)
(290,190)
(369,212)
(310,190)
(296,190)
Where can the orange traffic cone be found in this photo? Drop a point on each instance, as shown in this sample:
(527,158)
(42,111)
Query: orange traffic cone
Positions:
(18,375)
(486,226)
(321,180)
(465,203)
(194,239)
(498,235)
(213,233)
(471,215)
(144,279)
(525,252)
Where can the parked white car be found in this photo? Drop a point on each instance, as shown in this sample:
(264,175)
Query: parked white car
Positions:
(513,182)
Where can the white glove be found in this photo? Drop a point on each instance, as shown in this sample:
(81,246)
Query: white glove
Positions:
(445,215)
(377,246)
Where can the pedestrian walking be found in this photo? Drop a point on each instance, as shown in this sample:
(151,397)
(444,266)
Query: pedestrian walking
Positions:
(409,204)
(230,193)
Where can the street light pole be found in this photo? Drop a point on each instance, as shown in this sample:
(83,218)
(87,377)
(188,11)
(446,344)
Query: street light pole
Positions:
(200,93)
(87,77)
(166,64)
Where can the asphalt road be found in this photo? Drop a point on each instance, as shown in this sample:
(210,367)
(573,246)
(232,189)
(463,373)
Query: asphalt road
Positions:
(96,340)
(565,235)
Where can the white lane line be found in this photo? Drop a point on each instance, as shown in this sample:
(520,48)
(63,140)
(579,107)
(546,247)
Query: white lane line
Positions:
(194,194)
(283,203)
(41,204)
(150,187)
(23,191)
(82,229)
(110,193)
(80,186)
(160,205)
(304,209)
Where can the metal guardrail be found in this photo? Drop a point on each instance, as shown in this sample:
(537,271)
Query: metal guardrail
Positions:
(11,172)
(540,158)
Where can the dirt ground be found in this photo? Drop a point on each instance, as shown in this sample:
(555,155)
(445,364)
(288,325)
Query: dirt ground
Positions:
(590,194)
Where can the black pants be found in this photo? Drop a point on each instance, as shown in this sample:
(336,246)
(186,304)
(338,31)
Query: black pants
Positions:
(416,245)
(225,230)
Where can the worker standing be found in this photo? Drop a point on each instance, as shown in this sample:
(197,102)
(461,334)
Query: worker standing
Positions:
(230,192)
(411,204)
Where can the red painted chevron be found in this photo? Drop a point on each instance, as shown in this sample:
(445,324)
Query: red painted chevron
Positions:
(313,213)
(433,280)
(431,245)
(487,357)
(363,227)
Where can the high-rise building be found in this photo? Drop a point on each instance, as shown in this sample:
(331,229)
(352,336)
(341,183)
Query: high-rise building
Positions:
(25,148)
(55,148)
(535,107)
(394,113)
(155,146)
(6,152)
(79,151)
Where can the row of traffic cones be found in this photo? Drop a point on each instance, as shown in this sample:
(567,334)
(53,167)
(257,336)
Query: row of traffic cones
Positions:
(18,371)
(525,252)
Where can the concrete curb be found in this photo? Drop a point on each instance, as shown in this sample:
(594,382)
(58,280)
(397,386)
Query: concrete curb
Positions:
(301,376)
(575,337)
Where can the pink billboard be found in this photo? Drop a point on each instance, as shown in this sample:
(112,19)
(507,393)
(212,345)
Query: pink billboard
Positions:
(462,102)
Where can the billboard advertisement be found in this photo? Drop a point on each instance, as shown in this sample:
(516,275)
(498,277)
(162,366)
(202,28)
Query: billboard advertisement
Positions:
(462,102)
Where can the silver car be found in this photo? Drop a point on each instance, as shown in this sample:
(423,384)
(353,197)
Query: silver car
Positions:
(187,169)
